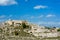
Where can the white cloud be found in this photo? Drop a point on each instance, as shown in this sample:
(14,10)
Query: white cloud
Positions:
(2,16)
(40,16)
(26,0)
(50,15)
(36,17)
(7,2)
(32,17)
(40,6)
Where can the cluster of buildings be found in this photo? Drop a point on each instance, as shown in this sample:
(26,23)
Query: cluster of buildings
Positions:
(41,31)
(36,30)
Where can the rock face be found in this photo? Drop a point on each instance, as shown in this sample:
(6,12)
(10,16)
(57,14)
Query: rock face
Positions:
(22,30)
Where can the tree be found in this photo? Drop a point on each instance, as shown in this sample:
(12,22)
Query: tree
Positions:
(58,30)
(1,30)
(47,27)
(24,25)
(54,27)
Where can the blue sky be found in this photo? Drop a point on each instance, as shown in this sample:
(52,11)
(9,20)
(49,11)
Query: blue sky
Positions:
(44,12)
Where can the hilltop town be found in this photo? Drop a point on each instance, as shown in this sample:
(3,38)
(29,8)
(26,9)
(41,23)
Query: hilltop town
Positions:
(21,29)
